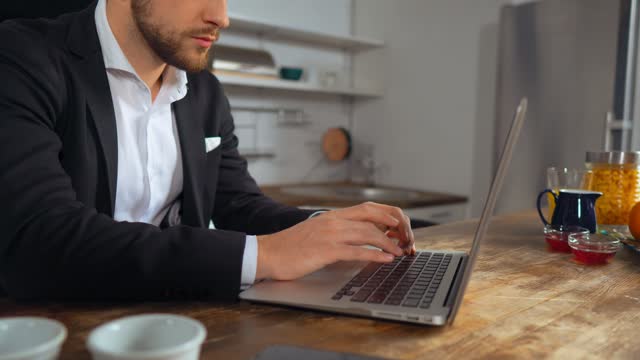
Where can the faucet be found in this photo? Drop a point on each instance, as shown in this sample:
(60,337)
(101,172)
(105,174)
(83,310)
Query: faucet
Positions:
(369,165)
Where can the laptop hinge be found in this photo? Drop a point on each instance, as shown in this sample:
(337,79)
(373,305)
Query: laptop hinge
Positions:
(455,286)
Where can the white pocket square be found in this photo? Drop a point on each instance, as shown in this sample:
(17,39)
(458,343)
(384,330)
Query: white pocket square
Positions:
(211,143)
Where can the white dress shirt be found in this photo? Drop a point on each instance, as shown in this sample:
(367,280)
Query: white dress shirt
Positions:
(150,178)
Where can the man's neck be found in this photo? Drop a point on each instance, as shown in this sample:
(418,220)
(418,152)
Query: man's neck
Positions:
(144,60)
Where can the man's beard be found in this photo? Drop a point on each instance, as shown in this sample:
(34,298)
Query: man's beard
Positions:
(166,43)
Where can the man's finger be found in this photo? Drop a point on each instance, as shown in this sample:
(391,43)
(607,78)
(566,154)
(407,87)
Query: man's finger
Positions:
(408,246)
(371,212)
(412,238)
(356,253)
(404,226)
(363,233)
(408,250)
(403,221)
(394,234)
(380,215)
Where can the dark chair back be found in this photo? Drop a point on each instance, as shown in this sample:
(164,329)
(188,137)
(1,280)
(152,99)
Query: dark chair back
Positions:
(39,8)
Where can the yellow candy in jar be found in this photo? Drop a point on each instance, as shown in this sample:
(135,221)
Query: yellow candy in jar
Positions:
(615,175)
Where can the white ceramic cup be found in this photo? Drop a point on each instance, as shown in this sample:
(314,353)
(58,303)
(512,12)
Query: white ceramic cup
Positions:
(148,337)
(30,338)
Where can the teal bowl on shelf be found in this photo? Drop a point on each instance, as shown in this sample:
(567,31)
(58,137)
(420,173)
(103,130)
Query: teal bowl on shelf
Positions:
(291,73)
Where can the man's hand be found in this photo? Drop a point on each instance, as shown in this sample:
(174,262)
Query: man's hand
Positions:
(376,214)
(335,236)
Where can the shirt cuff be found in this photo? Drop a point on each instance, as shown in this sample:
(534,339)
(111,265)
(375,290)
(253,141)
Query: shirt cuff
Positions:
(317,213)
(249,262)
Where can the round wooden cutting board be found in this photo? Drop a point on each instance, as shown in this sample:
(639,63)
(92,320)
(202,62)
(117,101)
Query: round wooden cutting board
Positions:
(336,144)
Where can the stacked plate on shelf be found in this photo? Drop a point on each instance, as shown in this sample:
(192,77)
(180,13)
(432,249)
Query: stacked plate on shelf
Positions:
(243,62)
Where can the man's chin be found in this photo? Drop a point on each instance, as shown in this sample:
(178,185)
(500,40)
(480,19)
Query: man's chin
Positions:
(191,64)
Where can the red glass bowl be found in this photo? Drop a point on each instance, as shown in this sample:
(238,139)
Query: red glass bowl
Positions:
(557,236)
(593,249)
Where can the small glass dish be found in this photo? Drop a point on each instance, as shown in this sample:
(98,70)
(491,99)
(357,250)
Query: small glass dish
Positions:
(557,236)
(593,249)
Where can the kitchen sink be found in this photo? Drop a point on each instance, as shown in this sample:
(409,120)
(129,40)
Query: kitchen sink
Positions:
(352,193)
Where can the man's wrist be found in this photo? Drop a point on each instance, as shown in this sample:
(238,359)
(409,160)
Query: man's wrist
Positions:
(262,269)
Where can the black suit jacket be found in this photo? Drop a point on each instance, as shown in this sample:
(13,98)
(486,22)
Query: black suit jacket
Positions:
(58,164)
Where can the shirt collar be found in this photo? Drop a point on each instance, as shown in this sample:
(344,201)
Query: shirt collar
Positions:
(114,58)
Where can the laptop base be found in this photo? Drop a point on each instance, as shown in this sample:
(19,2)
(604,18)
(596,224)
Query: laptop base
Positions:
(315,291)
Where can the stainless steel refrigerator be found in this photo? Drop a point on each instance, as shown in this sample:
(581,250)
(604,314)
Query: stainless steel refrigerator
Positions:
(571,59)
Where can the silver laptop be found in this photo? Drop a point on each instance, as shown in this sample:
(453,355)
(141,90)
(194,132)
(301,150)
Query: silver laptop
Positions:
(426,288)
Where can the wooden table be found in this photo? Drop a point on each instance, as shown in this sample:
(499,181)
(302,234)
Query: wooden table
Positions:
(522,302)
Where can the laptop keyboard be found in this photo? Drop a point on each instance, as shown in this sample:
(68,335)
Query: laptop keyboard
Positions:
(409,281)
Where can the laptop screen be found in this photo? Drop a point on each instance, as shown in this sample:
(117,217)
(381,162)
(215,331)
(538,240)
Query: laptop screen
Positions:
(490,204)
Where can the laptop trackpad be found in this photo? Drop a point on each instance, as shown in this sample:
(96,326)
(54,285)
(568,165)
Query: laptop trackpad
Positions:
(318,285)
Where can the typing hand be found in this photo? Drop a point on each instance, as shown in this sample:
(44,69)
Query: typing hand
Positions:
(335,236)
(377,214)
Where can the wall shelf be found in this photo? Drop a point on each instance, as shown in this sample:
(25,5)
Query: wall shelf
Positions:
(287,85)
(271,30)
(257,153)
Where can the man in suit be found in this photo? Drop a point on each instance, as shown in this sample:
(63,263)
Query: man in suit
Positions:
(118,149)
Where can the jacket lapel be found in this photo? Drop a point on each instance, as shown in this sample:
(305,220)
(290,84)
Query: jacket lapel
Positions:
(83,41)
(193,162)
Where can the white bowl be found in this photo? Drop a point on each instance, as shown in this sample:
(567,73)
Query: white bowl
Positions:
(23,338)
(148,337)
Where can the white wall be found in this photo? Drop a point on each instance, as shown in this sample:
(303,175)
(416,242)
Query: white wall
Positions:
(297,149)
(433,129)
(329,16)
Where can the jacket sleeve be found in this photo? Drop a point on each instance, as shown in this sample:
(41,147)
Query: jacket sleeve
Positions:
(54,247)
(240,204)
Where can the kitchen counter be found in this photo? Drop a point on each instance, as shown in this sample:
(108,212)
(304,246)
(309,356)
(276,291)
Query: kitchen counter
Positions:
(422,198)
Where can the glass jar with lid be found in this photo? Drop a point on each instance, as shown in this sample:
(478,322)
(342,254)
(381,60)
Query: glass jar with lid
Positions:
(616,175)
